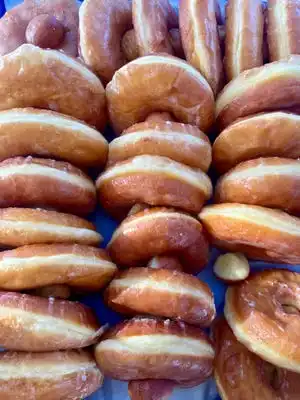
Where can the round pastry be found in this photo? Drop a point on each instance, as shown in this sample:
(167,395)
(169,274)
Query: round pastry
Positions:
(33,77)
(263,313)
(152,389)
(158,232)
(232,267)
(234,362)
(175,351)
(29,323)
(22,226)
(258,232)
(162,293)
(271,134)
(179,89)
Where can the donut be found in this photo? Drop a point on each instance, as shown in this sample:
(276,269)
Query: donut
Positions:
(154,180)
(35,182)
(244,36)
(234,362)
(258,232)
(271,87)
(149,348)
(272,134)
(82,267)
(49,79)
(166,139)
(158,232)
(157,389)
(30,323)
(179,89)
(271,182)
(62,374)
(162,293)
(24,226)
(263,313)
(200,39)
(232,267)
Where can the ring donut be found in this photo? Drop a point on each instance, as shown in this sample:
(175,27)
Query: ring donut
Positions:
(263,313)
(179,89)
(258,232)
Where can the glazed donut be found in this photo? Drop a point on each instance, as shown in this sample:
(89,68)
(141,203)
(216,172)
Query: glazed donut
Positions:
(244,36)
(23,226)
(166,139)
(29,323)
(162,293)
(272,134)
(179,89)
(82,267)
(258,232)
(155,389)
(271,87)
(272,182)
(62,374)
(33,77)
(234,362)
(36,182)
(158,232)
(200,39)
(263,313)
(150,348)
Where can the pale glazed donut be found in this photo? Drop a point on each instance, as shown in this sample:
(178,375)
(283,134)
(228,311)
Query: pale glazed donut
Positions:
(258,232)
(158,232)
(162,293)
(200,39)
(174,350)
(263,313)
(81,267)
(244,36)
(155,389)
(29,323)
(22,226)
(48,376)
(33,77)
(180,142)
(240,374)
(271,87)
(179,89)
(36,182)
(263,135)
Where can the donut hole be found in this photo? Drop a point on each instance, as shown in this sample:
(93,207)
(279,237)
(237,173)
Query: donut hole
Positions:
(290,308)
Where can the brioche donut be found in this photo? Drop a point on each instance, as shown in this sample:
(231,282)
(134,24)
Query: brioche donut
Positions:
(23,226)
(271,87)
(155,389)
(149,348)
(158,232)
(179,89)
(166,139)
(272,134)
(48,376)
(33,77)
(29,323)
(234,362)
(200,39)
(258,232)
(162,293)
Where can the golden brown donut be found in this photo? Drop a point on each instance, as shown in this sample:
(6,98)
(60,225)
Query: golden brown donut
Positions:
(263,135)
(258,232)
(166,139)
(240,374)
(162,293)
(37,182)
(68,375)
(155,389)
(22,226)
(179,89)
(30,323)
(33,77)
(263,313)
(200,39)
(158,232)
(174,350)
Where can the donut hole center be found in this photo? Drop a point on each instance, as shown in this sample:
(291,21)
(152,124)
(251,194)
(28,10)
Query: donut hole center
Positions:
(275,378)
(290,309)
